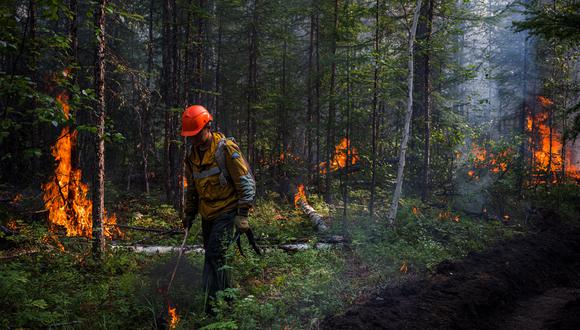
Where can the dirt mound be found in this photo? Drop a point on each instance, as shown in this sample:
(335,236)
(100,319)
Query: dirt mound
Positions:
(525,283)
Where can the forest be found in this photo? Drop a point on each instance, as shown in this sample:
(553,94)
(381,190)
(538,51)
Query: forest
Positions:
(379,164)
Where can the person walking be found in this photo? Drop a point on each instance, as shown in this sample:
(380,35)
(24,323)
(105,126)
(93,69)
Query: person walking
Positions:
(221,189)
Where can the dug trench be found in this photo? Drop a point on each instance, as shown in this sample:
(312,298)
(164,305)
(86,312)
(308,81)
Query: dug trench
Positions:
(528,282)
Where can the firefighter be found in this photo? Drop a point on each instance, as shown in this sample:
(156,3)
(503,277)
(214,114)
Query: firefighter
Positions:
(221,189)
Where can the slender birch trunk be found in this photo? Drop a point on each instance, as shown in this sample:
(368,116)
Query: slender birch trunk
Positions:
(403,150)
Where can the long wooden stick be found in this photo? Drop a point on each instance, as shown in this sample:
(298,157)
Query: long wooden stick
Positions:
(181,249)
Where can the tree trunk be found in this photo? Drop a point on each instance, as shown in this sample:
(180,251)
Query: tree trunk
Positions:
(199,54)
(309,100)
(374,119)
(331,107)
(220,113)
(252,96)
(99,185)
(522,121)
(348,144)
(402,153)
(427,102)
(317,97)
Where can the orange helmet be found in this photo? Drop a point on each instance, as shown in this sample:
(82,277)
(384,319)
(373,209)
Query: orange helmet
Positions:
(194,119)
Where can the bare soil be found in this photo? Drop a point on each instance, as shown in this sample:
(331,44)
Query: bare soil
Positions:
(528,282)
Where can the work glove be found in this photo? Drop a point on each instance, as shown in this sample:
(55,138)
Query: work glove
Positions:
(188,221)
(242,224)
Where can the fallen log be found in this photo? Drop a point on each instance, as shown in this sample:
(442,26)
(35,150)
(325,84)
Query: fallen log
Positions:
(198,249)
(147,229)
(327,239)
(316,219)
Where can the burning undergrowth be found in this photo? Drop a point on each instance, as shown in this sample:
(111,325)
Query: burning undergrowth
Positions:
(65,195)
(552,159)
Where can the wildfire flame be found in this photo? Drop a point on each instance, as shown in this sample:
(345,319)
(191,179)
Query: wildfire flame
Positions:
(404,268)
(65,195)
(484,159)
(415,211)
(447,215)
(300,195)
(546,102)
(546,146)
(342,151)
(172,311)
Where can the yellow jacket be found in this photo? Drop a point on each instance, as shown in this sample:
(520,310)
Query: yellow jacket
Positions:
(212,192)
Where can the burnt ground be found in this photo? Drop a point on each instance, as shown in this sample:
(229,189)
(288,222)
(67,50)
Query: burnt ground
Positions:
(528,282)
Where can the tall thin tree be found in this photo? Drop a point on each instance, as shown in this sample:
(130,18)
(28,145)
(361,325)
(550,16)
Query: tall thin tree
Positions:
(403,150)
(99,203)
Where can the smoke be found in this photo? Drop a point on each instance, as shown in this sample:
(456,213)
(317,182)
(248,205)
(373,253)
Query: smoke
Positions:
(504,77)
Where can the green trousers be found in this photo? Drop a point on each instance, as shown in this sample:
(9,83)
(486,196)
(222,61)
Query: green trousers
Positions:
(217,236)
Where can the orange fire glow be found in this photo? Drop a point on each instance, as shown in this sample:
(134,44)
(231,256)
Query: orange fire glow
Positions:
(546,102)
(65,195)
(300,195)
(174,317)
(404,268)
(339,158)
(547,149)
(12,224)
(484,159)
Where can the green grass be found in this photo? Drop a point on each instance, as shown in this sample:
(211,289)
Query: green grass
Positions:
(279,290)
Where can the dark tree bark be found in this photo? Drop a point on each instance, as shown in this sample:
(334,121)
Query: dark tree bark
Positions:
(317,89)
(426,93)
(331,106)
(348,145)
(99,185)
(309,100)
(522,120)
(252,94)
(221,114)
(199,56)
(374,119)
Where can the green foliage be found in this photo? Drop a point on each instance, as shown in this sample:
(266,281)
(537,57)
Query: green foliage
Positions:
(557,23)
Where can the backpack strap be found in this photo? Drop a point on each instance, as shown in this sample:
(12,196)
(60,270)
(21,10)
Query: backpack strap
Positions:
(220,158)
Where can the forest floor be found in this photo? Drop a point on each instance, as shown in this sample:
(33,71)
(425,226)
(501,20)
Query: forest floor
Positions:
(530,281)
(529,278)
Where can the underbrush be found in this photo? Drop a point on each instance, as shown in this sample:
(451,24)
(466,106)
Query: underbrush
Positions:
(68,289)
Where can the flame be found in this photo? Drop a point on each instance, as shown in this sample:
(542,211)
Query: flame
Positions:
(65,195)
(546,102)
(404,268)
(12,225)
(484,159)
(183,179)
(415,210)
(17,198)
(339,158)
(546,146)
(174,317)
(300,195)
(447,215)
